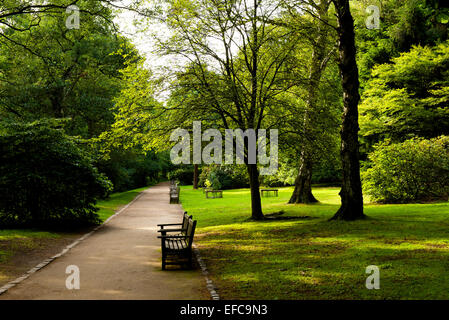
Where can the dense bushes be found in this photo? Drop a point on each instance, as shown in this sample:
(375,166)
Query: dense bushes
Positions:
(184,175)
(224,176)
(46,179)
(129,169)
(414,170)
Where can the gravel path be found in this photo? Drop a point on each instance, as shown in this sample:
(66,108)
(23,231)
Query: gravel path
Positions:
(122,260)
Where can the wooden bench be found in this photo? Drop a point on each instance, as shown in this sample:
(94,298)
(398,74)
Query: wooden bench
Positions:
(205,189)
(214,194)
(177,249)
(174,195)
(267,192)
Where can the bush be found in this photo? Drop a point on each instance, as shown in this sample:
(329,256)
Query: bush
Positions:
(224,176)
(183,175)
(414,170)
(46,179)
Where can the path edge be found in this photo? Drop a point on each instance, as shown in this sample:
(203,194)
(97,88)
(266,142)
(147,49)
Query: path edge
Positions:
(209,283)
(46,262)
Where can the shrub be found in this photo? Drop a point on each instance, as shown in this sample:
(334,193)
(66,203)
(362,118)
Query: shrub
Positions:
(46,179)
(411,171)
(224,176)
(183,175)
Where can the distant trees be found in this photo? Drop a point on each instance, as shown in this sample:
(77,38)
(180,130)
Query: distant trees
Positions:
(49,71)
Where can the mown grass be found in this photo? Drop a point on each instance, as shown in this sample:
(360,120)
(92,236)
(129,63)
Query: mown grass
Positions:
(313,258)
(116,200)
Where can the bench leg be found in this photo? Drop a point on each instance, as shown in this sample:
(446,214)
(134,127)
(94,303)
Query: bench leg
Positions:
(190,260)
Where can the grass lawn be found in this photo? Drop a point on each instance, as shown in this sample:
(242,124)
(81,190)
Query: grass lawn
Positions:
(313,258)
(36,243)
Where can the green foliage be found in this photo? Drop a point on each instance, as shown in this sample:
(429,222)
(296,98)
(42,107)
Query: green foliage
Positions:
(408,97)
(285,175)
(183,174)
(62,73)
(413,170)
(403,24)
(224,176)
(46,179)
(130,169)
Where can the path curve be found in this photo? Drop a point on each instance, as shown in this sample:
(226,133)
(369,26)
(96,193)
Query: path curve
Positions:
(122,260)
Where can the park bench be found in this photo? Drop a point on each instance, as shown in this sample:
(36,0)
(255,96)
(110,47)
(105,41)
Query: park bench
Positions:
(205,189)
(267,192)
(177,249)
(174,192)
(214,194)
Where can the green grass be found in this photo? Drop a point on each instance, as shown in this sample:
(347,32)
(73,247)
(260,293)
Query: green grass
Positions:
(109,206)
(313,258)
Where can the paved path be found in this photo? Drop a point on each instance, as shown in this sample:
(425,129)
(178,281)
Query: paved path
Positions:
(122,260)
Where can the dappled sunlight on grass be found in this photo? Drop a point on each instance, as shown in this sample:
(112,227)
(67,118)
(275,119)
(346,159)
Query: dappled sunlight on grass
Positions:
(313,258)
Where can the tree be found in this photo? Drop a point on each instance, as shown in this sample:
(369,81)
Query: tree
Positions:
(241,72)
(351,190)
(46,178)
(320,57)
(408,97)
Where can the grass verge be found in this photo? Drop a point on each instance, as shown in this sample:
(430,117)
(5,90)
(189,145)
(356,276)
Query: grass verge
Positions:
(309,257)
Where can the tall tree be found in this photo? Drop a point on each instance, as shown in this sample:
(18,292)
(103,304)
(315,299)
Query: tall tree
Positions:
(302,192)
(237,59)
(351,190)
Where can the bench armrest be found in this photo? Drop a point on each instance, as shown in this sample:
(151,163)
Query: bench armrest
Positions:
(169,224)
(171,230)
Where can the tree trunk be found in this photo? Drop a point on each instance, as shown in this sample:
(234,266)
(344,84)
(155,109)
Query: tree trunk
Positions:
(351,190)
(303,183)
(195,176)
(256,203)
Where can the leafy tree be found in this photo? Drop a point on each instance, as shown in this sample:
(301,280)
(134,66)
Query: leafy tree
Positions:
(62,73)
(408,97)
(238,83)
(314,128)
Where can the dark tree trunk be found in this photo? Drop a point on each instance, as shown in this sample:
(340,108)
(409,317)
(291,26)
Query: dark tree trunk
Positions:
(303,183)
(195,176)
(256,203)
(351,190)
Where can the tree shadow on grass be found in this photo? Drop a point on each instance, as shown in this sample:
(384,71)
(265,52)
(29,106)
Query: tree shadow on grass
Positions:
(325,271)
